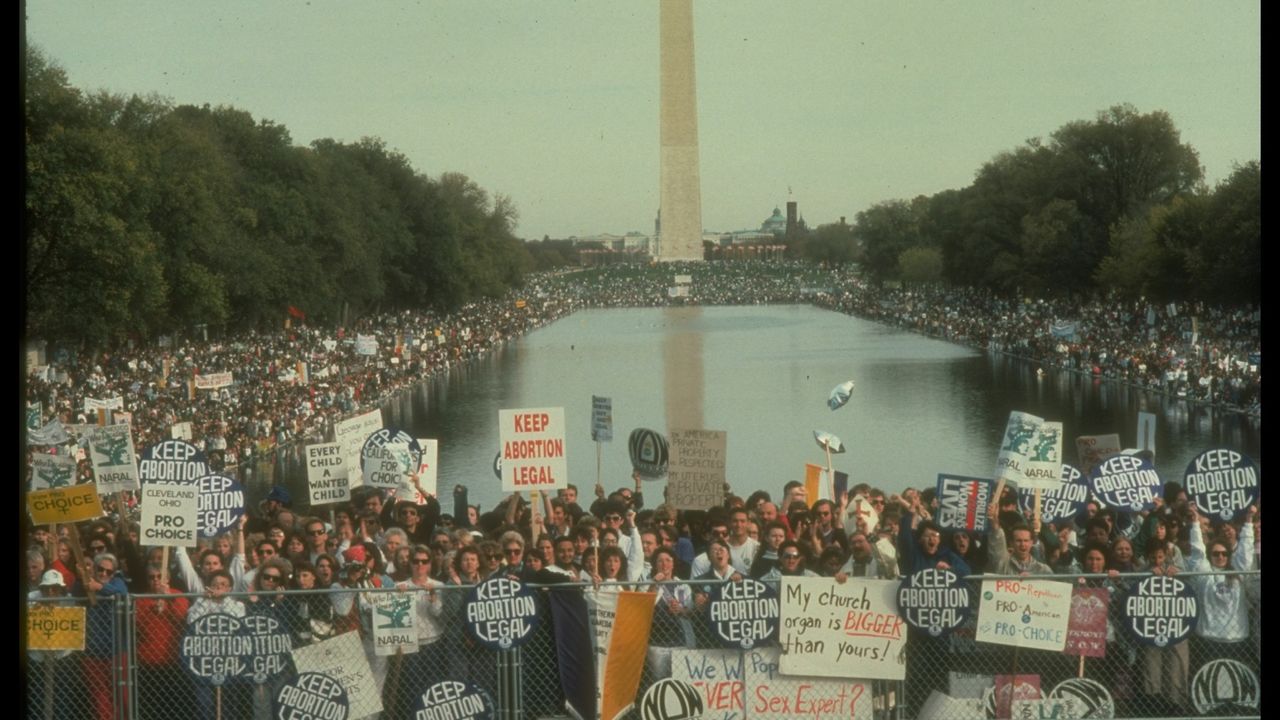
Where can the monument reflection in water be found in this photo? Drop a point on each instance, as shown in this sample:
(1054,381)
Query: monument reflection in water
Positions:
(762,374)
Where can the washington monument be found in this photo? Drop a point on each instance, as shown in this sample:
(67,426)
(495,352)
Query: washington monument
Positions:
(680,196)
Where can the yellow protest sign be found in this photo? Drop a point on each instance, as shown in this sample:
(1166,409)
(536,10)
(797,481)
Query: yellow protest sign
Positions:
(51,627)
(64,504)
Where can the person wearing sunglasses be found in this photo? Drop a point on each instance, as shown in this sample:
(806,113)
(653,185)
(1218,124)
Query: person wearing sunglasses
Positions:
(1227,599)
(99,577)
(427,666)
(717,531)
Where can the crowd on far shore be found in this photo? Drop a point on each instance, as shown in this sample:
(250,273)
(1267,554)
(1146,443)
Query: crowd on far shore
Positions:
(296,382)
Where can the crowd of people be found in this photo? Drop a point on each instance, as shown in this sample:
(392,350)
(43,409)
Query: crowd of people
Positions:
(376,543)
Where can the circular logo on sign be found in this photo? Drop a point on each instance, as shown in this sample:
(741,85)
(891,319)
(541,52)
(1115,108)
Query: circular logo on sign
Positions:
(455,700)
(497,465)
(1126,481)
(744,613)
(215,650)
(391,436)
(649,452)
(312,695)
(172,461)
(221,504)
(1222,483)
(934,601)
(671,699)
(1161,610)
(501,613)
(1225,687)
(1091,697)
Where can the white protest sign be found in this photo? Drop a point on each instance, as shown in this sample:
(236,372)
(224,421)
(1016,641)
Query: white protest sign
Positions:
(343,659)
(393,630)
(181,431)
(93,405)
(350,434)
(115,463)
(1015,446)
(327,474)
(842,630)
(213,381)
(696,470)
(775,696)
(601,419)
(169,514)
(1025,613)
(1044,458)
(1093,449)
(717,676)
(52,471)
(366,345)
(533,449)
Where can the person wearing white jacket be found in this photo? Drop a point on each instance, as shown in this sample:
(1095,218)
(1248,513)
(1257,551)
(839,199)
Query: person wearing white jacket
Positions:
(1225,597)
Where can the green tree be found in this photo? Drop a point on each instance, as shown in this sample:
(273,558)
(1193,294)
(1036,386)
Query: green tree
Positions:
(921,265)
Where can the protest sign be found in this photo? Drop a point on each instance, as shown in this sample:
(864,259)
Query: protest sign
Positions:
(1092,698)
(1044,458)
(453,700)
(393,628)
(1010,689)
(63,505)
(366,345)
(1160,610)
(215,650)
(1225,687)
(1222,483)
(717,676)
(939,706)
(93,405)
(270,644)
(115,464)
(1126,482)
(963,502)
(1093,449)
(54,627)
(428,467)
(1044,709)
(601,419)
(342,658)
(1087,625)
(170,514)
(775,696)
(1015,447)
(53,433)
(172,461)
(934,601)
(696,473)
(52,471)
(842,630)
(181,431)
(1064,502)
(221,504)
(533,449)
(386,456)
(1025,613)
(312,695)
(744,613)
(671,699)
(350,435)
(34,413)
(213,381)
(327,474)
(649,452)
(501,613)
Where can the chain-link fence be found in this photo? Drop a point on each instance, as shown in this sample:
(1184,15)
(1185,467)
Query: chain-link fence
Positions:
(178,656)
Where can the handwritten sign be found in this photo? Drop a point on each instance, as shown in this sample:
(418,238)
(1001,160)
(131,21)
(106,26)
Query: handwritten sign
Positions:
(1222,483)
(842,630)
(1093,449)
(501,613)
(1087,626)
(1064,502)
(744,613)
(393,629)
(170,514)
(934,601)
(312,695)
(350,435)
(53,627)
(1161,610)
(601,419)
(115,464)
(1025,613)
(428,470)
(696,472)
(775,696)
(1126,482)
(533,449)
(327,474)
(342,658)
(63,505)
(172,461)
(963,502)
(221,504)
(1015,446)
(453,700)
(717,676)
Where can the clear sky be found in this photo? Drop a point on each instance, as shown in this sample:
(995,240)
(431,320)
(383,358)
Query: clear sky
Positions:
(842,103)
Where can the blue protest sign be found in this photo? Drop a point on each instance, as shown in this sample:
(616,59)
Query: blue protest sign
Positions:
(744,613)
(1062,503)
(934,601)
(1126,482)
(1160,611)
(221,505)
(454,700)
(312,695)
(214,649)
(172,461)
(1222,483)
(501,613)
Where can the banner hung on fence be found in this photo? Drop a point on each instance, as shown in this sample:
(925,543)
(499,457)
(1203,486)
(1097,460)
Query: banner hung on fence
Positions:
(933,600)
(453,700)
(717,676)
(620,623)
(342,658)
(1161,611)
(393,629)
(1025,613)
(849,629)
(55,627)
(1087,626)
(744,613)
(774,696)
(312,695)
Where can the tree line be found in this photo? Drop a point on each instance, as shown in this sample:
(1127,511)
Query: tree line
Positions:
(144,217)
(1118,203)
